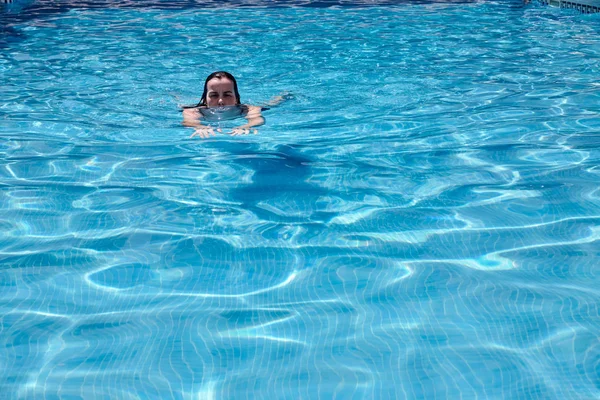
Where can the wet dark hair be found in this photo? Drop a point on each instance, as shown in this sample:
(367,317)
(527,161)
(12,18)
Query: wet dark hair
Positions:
(219,75)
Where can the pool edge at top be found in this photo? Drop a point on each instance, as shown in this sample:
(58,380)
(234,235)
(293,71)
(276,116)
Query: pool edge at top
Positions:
(584,6)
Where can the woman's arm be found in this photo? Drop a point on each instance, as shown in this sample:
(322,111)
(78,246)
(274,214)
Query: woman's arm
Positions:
(277,100)
(191,118)
(253,118)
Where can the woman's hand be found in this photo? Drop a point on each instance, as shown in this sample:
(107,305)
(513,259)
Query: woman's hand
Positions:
(204,132)
(242,130)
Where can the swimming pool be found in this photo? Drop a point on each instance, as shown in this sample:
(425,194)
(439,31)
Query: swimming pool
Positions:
(421,220)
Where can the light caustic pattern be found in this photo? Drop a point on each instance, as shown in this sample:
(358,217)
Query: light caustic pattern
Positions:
(421,220)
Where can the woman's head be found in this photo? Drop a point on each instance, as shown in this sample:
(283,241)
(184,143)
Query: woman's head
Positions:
(220,89)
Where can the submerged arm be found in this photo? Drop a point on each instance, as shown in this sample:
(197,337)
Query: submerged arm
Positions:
(191,118)
(253,118)
(280,98)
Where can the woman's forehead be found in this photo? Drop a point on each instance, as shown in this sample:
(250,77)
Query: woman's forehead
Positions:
(220,84)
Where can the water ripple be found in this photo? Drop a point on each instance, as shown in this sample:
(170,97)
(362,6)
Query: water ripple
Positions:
(421,220)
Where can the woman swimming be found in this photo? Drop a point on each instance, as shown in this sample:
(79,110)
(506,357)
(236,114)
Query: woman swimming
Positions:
(221,100)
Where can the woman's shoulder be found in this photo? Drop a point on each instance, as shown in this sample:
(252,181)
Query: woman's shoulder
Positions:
(191,112)
(252,110)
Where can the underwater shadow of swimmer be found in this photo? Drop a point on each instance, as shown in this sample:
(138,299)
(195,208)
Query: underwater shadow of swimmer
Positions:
(9,35)
(278,174)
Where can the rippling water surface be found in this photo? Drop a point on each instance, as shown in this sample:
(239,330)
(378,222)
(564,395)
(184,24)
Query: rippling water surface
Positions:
(421,220)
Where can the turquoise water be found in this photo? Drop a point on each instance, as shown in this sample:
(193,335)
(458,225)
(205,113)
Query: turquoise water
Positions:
(421,220)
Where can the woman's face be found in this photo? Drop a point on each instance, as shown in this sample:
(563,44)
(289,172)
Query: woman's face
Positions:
(219,92)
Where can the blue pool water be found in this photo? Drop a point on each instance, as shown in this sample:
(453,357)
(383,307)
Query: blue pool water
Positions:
(421,220)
